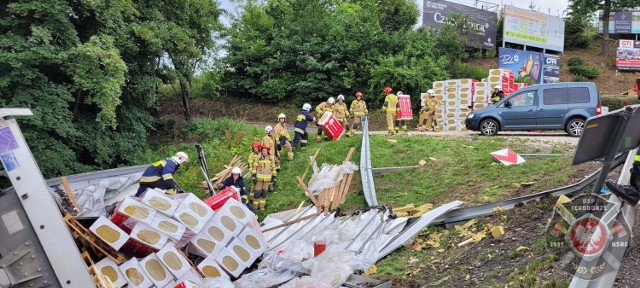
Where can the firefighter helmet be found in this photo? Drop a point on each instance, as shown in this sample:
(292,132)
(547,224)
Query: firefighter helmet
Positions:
(255,144)
(340,97)
(331,100)
(182,156)
(236,170)
(268,129)
(431,92)
(400,93)
(358,94)
(497,87)
(265,146)
(387,90)
(282,116)
(306,107)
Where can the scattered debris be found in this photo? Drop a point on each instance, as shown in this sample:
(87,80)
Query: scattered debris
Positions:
(498,210)
(496,231)
(507,157)
(392,141)
(422,162)
(522,249)
(410,210)
(236,161)
(433,159)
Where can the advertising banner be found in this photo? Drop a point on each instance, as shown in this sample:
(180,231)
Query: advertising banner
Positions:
(535,29)
(536,66)
(625,22)
(481,23)
(628,59)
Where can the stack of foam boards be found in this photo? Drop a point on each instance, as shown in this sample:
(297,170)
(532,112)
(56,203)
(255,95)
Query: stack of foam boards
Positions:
(465,92)
(153,229)
(482,95)
(502,77)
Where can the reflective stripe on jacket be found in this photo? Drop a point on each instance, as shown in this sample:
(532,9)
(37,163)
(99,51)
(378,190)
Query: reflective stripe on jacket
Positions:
(359,108)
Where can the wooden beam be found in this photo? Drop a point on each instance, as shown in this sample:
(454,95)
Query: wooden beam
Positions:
(293,221)
(313,159)
(307,192)
(67,190)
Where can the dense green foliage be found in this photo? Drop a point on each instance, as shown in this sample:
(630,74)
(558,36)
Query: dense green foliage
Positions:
(307,50)
(617,102)
(89,71)
(581,71)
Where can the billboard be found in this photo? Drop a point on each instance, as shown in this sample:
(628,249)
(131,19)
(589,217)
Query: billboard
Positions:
(628,55)
(536,66)
(482,23)
(625,22)
(535,29)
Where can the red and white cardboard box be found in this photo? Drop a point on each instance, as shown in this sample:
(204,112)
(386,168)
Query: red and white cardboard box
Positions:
(193,213)
(131,208)
(243,252)
(158,273)
(110,269)
(173,260)
(171,227)
(135,275)
(186,284)
(149,236)
(192,277)
(157,199)
(210,268)
(203,245)
(229,262)
(109,232)
(331,126)
(406,112)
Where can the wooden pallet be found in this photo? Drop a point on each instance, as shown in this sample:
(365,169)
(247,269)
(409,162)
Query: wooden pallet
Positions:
(99,279)
(90,241)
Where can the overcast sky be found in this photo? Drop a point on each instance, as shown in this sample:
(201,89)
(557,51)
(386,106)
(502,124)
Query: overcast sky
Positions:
(553,7)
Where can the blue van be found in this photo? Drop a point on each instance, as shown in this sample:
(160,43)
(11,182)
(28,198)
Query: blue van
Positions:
(554,106)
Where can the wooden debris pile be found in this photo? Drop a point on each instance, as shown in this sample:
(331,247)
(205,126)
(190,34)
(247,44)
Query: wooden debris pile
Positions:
(236,161)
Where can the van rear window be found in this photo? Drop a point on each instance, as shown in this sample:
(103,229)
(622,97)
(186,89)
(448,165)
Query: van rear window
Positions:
(555,96)
(579,95)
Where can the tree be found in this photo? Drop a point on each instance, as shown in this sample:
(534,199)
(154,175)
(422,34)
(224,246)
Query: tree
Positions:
(587,7)
(89,70)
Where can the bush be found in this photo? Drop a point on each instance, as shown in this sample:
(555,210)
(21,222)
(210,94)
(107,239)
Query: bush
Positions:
(588,72)
(579,78)
(575,61)
(617,102)
(521,79)
(463,71)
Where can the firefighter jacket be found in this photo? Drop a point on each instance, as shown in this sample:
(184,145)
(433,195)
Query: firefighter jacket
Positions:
(359,108)
(497,96)
(341,111)
(430,104)
(238,184)
(268,140)
(302,121)
(281,131)
(323,107)
(163,169)
(390,104)
(264,168)
(253,157)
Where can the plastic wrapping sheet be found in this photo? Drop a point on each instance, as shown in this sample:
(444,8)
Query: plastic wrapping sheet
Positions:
(330,176)
(264,278)
(306,282)
(91,198)
(272,222)
(296,231)
(218,282)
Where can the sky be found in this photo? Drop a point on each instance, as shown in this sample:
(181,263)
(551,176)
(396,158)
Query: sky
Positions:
(553,7)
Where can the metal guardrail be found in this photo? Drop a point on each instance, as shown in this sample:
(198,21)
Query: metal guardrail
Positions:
(487,209)
(368,187)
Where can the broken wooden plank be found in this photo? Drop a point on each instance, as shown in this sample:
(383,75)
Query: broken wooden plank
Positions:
(293,221)
(67,190)
(313,159)
(306,190)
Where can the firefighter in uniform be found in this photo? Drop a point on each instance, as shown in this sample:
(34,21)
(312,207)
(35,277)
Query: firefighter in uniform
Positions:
(390,107)
(320,110)
(160,174)
(341,111)
(282,134)
(270,140)
(263,172)
(497,94)
(358,110)
(400,123)
(430,107)
(254,155)
(236,180)
(629,193)
(300,127)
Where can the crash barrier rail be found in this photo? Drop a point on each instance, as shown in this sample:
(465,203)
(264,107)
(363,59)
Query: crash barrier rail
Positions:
(464,214)
(366,173)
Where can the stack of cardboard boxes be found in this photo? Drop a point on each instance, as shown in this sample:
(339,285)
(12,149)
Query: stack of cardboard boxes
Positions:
(155,229)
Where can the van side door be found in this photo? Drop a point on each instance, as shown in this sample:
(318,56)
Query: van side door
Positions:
(520,112)
(553,107)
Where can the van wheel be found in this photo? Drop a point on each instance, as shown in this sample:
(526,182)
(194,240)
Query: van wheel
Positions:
(575,127)
(489,127)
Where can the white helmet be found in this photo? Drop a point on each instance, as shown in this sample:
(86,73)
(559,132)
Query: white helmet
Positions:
(236,170)
(282,116)
(181,157)
(306,107)
(497,87)
(340,97)
(268,129)
(430,91)
(400,93)
(331,100)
